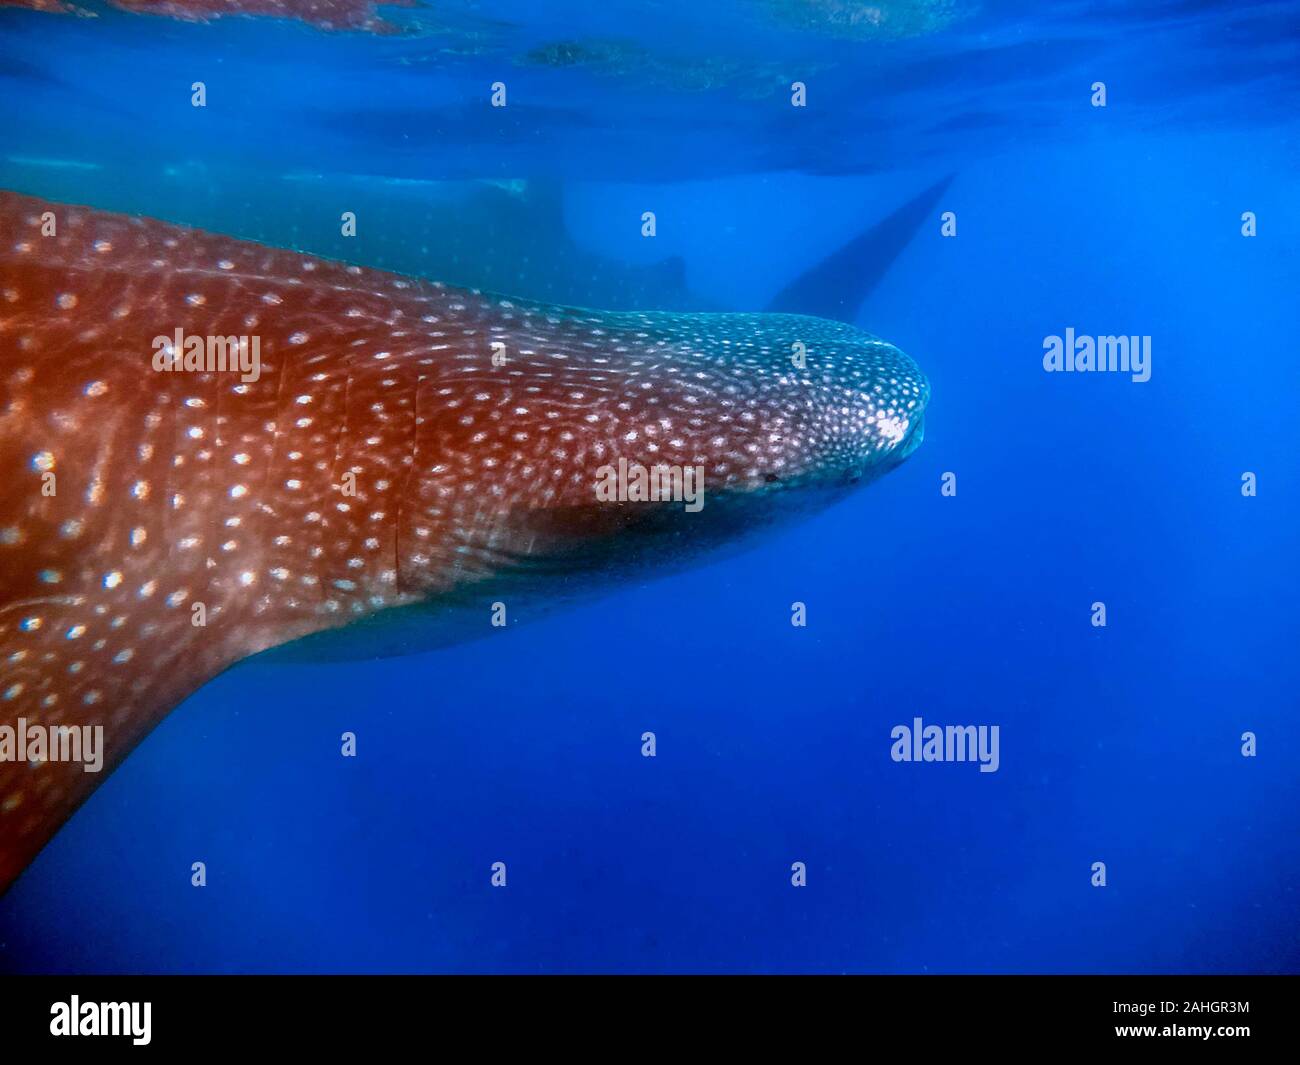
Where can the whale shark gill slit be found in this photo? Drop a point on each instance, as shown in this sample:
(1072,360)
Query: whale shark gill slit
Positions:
(163,517)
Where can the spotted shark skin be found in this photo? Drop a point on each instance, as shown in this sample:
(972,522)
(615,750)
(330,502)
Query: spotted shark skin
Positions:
(468,475)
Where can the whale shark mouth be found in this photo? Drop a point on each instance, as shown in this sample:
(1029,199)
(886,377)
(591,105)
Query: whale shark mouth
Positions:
(915,436)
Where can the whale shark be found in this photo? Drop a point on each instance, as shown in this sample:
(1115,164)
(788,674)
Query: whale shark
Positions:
(214,449)
(502,236)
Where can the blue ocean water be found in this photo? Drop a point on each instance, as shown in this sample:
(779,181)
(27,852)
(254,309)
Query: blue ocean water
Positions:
(1120,744)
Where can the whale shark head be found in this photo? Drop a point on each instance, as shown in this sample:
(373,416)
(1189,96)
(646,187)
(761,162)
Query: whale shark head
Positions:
(673,434)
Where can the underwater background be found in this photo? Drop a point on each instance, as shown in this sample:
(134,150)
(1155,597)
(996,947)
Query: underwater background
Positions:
(1120,744)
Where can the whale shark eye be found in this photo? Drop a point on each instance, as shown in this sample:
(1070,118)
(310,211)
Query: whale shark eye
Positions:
(771,478)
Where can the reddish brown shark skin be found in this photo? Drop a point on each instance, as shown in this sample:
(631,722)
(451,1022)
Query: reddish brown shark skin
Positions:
(402,440)
(177,489)
(160,480)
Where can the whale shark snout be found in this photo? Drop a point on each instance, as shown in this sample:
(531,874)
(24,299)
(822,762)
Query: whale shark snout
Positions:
(832,404)
(783,399)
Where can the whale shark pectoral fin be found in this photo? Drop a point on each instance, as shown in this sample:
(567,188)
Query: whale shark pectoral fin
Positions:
(838,285)
(105,706)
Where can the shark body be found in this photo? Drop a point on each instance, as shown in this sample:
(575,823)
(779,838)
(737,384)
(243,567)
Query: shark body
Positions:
(158,525)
